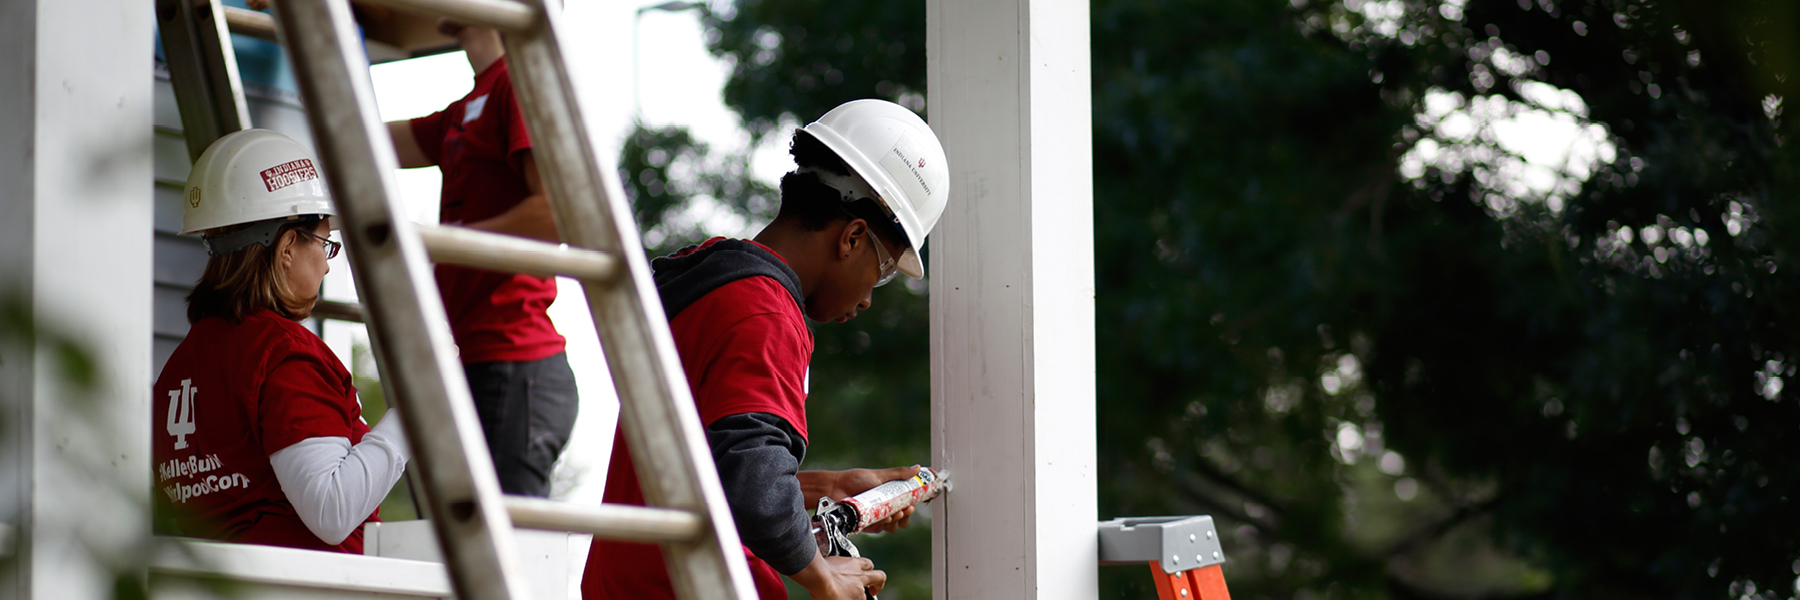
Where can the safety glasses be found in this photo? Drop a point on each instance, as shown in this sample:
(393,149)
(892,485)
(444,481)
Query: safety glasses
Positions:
(889,266)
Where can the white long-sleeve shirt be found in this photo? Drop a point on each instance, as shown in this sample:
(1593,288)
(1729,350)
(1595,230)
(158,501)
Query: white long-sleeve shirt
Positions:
(335,486)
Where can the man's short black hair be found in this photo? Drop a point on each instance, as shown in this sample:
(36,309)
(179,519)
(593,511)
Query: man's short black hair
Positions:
(806,198)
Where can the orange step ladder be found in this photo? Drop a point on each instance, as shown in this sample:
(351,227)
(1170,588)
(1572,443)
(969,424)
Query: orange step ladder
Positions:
(1184,554)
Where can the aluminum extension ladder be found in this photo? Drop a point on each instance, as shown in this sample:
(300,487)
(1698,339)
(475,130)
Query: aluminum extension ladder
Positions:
(474,522)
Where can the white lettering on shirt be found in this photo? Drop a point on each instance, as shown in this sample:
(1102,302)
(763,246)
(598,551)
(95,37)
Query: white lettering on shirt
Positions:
(193,465)
(181,412)
(180,493)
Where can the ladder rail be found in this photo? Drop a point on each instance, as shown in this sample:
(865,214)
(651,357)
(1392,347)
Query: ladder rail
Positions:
(202,70)
(591,212)
(405,312)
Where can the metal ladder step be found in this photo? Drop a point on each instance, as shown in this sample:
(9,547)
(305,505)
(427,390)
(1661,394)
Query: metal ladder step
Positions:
(248,22)
(608,521)
(496,252)
(505,15)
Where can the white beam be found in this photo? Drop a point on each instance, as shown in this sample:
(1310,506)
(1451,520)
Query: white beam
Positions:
(75,242)
(1012,301)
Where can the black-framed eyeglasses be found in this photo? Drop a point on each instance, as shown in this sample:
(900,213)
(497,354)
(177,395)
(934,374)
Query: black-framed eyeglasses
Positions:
(331,247)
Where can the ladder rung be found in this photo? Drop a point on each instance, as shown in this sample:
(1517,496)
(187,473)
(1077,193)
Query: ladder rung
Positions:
(504,15)
(473,248)
(622,522)
(243,21)
(341,311)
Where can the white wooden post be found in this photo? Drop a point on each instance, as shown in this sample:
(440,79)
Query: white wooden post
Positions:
(1012,301)
(75,245)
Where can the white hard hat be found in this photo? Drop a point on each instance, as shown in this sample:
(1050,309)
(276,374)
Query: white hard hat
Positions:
(250,176)
(897,154)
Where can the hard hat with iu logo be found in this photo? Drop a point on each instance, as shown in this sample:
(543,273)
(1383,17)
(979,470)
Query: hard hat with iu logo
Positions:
(255,176)
(897,154)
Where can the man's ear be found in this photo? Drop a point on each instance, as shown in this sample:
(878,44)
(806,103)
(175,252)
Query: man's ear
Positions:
(850,236)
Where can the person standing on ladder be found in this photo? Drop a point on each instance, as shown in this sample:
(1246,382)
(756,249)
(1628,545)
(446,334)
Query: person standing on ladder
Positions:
(871,182)
(512,354)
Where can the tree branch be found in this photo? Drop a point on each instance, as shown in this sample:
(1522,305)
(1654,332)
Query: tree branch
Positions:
(1424,535)
(1187,486)
(1400,589)
(1220,477)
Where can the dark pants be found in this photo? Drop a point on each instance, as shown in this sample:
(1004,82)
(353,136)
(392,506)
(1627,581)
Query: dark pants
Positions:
(527,410)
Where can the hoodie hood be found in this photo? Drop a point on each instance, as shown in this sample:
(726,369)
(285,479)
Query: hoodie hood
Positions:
(693,272)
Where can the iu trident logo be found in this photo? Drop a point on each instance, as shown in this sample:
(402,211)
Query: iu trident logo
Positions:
(181,412)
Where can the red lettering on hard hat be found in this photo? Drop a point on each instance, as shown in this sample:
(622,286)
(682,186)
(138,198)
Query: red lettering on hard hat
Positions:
(290,173)
(921,163)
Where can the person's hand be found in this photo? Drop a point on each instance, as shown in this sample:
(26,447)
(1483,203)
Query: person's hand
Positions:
(840,578)
(839,485)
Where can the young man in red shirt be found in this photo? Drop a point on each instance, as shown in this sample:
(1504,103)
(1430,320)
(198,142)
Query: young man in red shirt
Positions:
(524,390)
(871,182)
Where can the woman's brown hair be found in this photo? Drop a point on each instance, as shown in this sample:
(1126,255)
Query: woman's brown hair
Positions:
(238,283)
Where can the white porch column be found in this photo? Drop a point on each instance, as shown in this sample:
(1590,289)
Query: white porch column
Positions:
(1012,301)
(75,245)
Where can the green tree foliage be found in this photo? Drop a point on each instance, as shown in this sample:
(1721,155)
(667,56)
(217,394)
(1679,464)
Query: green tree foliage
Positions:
(800,59)
(1347,306)
(678,186)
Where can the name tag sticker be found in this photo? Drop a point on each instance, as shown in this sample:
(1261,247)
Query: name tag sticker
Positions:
(472,110)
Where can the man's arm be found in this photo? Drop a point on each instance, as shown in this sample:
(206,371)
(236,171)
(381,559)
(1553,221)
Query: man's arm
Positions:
(757,455)
(406,146)
(531,217)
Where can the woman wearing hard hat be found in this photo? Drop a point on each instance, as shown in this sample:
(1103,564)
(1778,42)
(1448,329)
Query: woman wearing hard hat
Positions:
(258,433)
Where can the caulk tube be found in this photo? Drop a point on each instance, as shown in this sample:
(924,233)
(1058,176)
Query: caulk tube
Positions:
(884,500)
(834,521)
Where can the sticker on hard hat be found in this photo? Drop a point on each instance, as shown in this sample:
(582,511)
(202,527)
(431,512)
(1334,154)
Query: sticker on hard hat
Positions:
(905,167)
(193,197)
(289,173)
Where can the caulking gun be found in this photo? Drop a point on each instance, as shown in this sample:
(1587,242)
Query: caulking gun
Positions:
(835,520)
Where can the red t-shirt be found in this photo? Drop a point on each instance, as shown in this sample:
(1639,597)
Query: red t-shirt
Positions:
(230,396)
(479,143)
(745,349)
